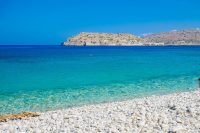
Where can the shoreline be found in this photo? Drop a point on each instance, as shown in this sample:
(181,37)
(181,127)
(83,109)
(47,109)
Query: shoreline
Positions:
(178,112)
(95,103)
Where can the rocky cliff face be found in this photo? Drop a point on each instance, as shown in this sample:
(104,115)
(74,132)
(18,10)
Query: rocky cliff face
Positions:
(103,39)
(183,37)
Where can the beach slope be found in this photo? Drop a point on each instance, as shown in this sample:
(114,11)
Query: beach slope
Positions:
(179,112)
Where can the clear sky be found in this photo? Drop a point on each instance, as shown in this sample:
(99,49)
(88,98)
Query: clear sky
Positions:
(53,21)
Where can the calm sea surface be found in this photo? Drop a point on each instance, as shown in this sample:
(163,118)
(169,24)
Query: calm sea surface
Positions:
(40,78)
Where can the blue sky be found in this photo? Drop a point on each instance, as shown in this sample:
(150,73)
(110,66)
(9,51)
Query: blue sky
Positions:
(50,22)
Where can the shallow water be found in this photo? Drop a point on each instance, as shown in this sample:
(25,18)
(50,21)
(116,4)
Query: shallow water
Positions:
(40,78)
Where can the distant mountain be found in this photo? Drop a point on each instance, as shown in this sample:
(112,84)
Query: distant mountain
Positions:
(182,37)
(95,39)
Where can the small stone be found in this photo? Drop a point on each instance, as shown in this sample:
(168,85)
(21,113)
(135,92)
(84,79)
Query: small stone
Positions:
(172,107)
(141,123)
(178,128)
(178,120)
(164,127)
(54,116)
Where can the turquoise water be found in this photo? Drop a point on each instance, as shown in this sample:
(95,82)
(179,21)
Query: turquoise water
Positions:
(40,78)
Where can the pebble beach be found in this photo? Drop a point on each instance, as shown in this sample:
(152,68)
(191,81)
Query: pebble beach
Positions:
(178,112)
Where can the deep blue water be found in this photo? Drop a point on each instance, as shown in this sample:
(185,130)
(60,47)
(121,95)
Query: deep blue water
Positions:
(40,78)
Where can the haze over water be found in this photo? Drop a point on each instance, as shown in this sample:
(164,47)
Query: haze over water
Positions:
(40,78)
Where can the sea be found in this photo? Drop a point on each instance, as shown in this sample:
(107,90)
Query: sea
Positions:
(42,77)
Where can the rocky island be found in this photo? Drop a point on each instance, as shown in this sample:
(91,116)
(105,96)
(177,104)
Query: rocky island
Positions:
(91,39)
(182,37)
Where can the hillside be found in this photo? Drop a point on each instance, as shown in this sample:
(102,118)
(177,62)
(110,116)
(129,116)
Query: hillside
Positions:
(183,37)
